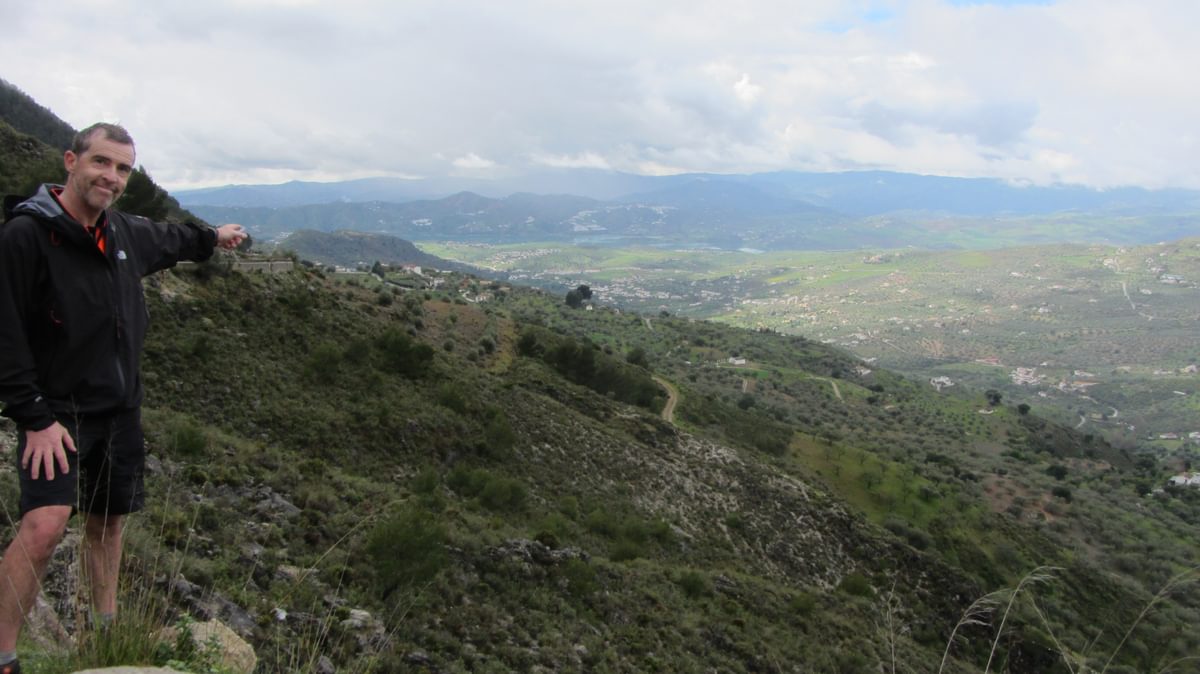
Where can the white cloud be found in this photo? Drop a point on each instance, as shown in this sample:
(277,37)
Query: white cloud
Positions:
(746,91)
(233,90)
(473,161)
(583,160)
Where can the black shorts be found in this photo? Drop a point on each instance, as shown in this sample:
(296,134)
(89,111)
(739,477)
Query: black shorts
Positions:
(107,471)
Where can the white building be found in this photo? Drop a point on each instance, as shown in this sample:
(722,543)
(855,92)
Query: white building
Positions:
(1186,480)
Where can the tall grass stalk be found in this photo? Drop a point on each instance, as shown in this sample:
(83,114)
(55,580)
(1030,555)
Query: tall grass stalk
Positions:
(1171,665)
(891,624)
(1050,630)
(370,519)
(976,614)
(1178,581)
(134,637)
(306,655)
(1042,574)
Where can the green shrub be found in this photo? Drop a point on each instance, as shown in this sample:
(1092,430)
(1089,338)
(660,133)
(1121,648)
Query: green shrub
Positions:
(856,585)
(494,492)
(602,521)
(736,522)
(426,482)
(528,344)
(503,493)
(323,363)
(402,355)
(406,548)
(624,550)
(580,578)
(451,396)
(803,604)
(637,356)
(555,526)
(187,439)
(357,351)
(201,347)
(498,435)
(693,584)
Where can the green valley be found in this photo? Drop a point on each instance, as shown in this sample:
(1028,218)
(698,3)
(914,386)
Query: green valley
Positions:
(1097,337)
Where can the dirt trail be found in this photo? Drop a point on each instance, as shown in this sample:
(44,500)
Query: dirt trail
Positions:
(836,391)
(668,412)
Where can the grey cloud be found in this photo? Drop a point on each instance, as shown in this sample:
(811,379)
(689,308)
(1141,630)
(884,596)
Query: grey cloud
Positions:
(408,87)
(998,125)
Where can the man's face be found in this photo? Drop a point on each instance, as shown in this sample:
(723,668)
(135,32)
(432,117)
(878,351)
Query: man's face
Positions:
(98,176)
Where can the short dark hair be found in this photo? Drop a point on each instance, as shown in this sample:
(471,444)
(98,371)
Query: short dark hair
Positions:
(114,132)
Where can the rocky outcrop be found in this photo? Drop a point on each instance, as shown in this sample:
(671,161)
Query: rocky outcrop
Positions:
(234,655)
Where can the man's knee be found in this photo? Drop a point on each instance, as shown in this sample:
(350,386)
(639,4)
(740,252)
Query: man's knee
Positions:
(41,531)
(103,527)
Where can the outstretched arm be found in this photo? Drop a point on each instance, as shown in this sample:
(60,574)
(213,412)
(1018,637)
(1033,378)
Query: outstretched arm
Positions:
(230,236)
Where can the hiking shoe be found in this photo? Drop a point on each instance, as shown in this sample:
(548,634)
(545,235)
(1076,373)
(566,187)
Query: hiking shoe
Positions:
(13,667)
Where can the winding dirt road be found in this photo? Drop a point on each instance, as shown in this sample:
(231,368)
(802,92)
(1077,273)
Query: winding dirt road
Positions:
(668,412)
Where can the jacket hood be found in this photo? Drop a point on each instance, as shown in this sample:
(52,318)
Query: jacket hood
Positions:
(42,204)
(45,208)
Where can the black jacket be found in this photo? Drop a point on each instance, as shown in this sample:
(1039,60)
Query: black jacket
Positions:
(73,319)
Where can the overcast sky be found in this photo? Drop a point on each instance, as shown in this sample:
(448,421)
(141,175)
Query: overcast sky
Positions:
(1097,92)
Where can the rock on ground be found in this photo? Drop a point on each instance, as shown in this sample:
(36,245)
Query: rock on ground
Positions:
(236,656)
(130,670)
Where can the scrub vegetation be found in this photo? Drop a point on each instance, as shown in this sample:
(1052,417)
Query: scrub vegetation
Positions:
(516,501)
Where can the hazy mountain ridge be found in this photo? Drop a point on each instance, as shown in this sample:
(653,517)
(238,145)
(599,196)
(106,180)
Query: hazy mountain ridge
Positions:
(775,211)
(857,193)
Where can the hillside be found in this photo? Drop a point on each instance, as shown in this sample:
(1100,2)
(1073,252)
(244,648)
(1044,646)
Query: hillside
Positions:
(355,249)
(26,162)
(485,472)
(27,116)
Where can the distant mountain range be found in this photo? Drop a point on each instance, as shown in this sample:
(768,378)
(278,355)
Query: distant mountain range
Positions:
(784,210)
(856,193)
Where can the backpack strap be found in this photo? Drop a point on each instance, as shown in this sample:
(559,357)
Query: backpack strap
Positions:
(10,204)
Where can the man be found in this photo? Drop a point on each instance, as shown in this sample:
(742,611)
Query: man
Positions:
(72,325)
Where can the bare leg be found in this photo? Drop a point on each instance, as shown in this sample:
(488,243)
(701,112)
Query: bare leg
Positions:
(102,559)
(24,566)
